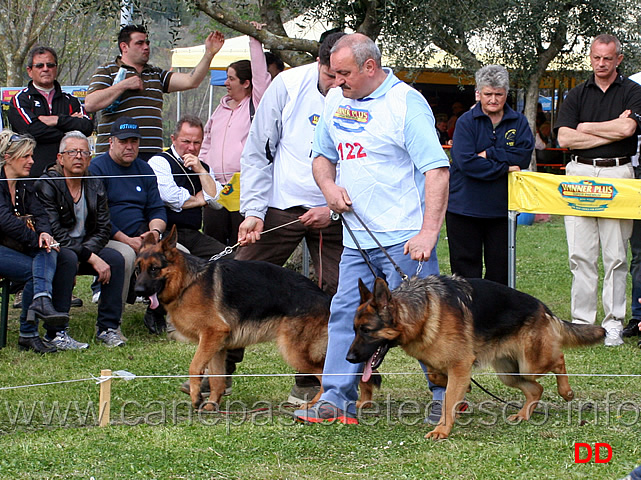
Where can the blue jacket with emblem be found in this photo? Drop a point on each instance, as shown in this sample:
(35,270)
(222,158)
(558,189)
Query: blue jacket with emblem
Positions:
(478,186)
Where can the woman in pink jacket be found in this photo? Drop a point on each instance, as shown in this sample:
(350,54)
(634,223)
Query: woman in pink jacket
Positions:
(226,132)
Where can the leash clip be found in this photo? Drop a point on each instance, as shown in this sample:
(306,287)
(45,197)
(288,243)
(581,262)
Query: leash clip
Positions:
(419,267)
(227,250)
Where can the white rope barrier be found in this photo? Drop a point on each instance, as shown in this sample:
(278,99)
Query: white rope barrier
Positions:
(118,176)
(106,376)
(127,376)
(47,383)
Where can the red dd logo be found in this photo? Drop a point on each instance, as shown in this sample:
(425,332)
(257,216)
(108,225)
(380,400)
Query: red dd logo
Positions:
(586,450)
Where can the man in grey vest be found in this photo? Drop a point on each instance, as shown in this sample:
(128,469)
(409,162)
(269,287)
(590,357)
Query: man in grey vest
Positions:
(186,187)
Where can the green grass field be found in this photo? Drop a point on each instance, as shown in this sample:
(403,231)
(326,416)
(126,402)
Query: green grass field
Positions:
(51,431)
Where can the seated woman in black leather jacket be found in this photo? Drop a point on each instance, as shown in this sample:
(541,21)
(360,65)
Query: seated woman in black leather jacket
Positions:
(28,251)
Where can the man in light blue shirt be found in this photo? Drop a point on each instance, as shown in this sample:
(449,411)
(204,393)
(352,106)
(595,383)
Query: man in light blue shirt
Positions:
(394,175)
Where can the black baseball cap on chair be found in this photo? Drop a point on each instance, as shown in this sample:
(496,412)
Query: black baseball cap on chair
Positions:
(125,127)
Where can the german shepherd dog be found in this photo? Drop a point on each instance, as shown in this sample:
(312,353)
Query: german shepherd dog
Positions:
(451,324)
(231,304)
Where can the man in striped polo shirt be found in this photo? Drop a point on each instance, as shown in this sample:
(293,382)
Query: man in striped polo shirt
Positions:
(129,86)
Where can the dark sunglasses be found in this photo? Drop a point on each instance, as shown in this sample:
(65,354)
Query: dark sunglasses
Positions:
(19,138)
(42,65)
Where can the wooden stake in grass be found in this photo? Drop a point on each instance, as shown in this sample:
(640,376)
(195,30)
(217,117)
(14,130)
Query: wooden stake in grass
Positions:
(105,399)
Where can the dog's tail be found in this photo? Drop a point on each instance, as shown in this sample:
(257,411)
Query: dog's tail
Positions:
(579,335)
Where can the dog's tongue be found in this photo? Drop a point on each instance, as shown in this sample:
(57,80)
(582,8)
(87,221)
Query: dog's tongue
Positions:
(154,302)
(367,372)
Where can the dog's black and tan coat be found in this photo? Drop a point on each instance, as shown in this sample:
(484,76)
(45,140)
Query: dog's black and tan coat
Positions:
(231,304)
(451,324)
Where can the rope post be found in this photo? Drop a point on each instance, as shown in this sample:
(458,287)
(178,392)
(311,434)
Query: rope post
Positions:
(105,399)
(511,248)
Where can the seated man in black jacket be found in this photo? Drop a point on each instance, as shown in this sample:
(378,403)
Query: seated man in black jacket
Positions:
(79,216)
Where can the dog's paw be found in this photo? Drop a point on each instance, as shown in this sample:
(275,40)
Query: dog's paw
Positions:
(196,401)
(569,395)
(209,406)
(364,404)
(516,418)
(438,433)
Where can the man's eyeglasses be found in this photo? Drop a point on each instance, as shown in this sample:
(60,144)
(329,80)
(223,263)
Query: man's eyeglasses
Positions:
(75,153)
(42,65)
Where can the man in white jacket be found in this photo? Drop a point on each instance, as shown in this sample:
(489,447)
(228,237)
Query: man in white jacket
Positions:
(277,185)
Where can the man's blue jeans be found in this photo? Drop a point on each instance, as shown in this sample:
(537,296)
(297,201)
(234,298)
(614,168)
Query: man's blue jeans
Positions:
(340,377)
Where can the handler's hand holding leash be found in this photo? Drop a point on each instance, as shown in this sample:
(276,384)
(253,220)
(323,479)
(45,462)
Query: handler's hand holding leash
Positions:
(317,217)
(229,250)
(337,198)
(419,246)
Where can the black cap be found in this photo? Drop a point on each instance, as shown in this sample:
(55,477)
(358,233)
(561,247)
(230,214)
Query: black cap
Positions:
(125,127)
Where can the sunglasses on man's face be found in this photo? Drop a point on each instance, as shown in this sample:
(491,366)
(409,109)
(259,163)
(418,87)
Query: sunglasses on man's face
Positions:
(42,65)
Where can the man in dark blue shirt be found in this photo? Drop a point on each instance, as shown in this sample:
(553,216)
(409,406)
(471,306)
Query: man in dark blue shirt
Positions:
(135,205)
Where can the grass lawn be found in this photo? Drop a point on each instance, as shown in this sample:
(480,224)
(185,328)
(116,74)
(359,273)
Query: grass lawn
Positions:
(50,431)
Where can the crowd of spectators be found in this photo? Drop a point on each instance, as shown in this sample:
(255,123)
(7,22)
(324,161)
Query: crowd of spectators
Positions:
(68,223)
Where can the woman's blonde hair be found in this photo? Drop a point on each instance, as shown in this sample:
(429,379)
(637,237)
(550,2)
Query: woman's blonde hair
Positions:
(15,145)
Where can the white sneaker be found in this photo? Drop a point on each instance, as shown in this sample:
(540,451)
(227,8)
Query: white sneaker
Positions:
(118,332)
(63,341)
(613,338)
(96,297)
(110,338)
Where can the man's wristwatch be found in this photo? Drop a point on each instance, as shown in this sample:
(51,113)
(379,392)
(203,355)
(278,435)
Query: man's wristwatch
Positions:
(159,233)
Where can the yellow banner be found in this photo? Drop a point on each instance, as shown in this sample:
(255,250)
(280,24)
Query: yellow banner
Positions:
(230,195)
(570,195)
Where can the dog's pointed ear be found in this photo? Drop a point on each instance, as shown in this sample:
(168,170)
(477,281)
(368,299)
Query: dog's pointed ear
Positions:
(148,240)
(364,291)
(170,241)
(382,295)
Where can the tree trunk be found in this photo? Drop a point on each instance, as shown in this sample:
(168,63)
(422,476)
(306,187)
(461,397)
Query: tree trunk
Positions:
(15,73)
(531,102)
(21,24)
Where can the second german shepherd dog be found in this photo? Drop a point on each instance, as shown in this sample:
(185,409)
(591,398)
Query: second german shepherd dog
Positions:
(451,324)
(231,304)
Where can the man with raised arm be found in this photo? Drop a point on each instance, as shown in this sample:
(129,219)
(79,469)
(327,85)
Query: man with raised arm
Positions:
(130,86)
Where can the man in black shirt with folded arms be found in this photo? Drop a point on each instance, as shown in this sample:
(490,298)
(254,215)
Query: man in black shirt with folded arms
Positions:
(599,122)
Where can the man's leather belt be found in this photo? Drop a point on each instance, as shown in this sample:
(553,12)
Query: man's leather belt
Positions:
(602,162)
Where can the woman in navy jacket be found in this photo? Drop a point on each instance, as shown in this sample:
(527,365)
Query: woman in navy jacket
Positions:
(489,141)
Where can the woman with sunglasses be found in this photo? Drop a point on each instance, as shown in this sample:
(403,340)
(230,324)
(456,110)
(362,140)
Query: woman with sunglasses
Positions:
(29,254)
